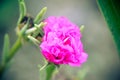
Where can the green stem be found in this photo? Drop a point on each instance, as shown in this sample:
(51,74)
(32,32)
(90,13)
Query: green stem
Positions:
(111,12)
(13,51)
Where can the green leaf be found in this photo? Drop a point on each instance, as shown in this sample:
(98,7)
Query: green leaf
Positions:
(50,69)
(40,15)
(34,40)
(82,28)
(111,12)
(22,10)
(23,30)
(38,30)
(6,49)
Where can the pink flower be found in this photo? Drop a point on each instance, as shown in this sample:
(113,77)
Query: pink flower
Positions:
(61,42)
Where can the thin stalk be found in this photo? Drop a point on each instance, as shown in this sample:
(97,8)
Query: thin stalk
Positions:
(14,49)
(16,46)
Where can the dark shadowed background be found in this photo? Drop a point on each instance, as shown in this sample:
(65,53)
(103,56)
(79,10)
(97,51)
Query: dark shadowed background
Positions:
(103,62)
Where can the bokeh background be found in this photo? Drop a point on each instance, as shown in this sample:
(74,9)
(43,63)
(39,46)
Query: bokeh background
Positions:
(103,62)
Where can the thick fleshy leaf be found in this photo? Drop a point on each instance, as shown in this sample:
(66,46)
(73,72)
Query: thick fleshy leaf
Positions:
(22,10)
(6,48)
(50,69)
(40,15)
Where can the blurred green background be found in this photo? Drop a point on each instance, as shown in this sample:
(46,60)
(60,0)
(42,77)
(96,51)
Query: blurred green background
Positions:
(103,62)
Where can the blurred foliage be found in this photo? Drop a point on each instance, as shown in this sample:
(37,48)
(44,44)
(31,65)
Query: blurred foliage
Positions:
(111,12)
(8,10)
(8,17)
